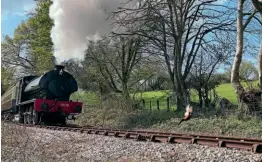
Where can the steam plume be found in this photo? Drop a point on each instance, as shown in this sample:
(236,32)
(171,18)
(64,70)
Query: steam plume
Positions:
(77,20)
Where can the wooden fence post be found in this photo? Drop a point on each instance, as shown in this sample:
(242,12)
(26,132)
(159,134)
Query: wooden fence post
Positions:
(167,102)
(144,103)
(150,105)
(157,102)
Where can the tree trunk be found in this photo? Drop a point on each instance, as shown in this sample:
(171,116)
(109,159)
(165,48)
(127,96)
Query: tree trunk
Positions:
(260,66)
(181,97)
(125,91)
(206,96)
(200,97)
(180,90)
(127,99)
(239,52)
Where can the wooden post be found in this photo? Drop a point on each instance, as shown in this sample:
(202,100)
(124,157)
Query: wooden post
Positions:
(150,105)
(261,101)
(144,103)
(167,102)
(157,102)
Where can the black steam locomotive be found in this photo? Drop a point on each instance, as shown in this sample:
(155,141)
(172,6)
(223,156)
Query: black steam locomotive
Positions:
(42,98)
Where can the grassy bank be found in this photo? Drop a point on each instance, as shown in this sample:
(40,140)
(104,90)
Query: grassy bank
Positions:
(110,113)
(168,121)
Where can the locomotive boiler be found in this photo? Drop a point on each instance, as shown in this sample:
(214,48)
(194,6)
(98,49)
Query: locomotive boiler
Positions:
(43,98)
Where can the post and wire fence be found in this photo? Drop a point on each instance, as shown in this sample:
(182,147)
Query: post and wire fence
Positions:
(219,106)
(158,104)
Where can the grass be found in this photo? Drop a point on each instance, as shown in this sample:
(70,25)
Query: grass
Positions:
(162,96)
(168,121)
(91,98)
(230,126)
(223,90)
(88,98)
(112,114)
(227,91)
(153,96)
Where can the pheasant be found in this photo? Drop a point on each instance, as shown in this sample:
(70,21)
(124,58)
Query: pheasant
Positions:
(188,114)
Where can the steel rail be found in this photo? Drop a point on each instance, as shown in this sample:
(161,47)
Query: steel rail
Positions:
(249,144)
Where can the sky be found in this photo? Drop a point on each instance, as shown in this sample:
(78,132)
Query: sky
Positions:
(13,12)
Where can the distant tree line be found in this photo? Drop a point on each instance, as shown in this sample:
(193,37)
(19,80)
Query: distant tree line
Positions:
(174,45)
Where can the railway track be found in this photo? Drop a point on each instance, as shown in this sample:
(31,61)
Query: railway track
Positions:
(249,144)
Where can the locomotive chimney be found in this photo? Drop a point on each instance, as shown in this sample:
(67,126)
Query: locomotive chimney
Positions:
(59,67)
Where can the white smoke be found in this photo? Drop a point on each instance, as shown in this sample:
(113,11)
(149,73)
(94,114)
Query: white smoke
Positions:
(75,21)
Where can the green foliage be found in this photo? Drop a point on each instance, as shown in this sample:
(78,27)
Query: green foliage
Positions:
(248,71)
(88,98)
(6,78)
(40,41)
(30,48)
(106,112)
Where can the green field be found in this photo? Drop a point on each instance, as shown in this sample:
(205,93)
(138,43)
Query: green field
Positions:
(153,96)
(227,91)
(224,90)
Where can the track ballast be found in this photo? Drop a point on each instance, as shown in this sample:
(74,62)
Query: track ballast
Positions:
(249,144)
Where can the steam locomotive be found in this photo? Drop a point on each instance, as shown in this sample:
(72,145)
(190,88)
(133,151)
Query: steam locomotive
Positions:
(34,99)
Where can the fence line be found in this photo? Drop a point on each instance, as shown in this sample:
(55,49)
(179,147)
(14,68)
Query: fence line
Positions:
(254,108)
(156,104)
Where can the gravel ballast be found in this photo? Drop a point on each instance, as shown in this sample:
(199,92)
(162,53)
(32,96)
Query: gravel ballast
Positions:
(35,144)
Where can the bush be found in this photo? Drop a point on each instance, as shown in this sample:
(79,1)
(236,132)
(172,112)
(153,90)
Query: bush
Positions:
(88,98)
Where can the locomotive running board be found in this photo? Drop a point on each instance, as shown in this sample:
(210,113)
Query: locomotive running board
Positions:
(26,102)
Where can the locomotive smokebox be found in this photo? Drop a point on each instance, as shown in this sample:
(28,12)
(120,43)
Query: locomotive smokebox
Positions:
(59,67)
(55,84)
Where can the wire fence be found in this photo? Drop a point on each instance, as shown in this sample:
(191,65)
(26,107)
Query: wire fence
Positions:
(219,106)
(158,104)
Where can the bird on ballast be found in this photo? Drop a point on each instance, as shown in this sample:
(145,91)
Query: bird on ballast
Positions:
(188,114)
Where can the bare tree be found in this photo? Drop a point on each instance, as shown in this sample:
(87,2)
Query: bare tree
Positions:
(15,53)
(258,6)
(202,76)
(260,67)
(116,59)
(241,26)
(176,30)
